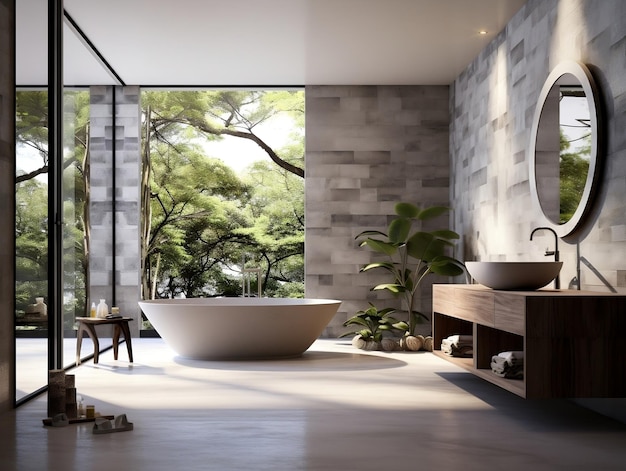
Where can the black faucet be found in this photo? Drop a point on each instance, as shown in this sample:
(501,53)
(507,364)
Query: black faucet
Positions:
(557,280)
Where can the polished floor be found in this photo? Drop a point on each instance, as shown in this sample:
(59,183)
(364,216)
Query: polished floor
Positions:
(32,360)
(336,408)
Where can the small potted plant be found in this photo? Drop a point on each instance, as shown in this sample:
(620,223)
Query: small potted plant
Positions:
(410,255)
(370,325)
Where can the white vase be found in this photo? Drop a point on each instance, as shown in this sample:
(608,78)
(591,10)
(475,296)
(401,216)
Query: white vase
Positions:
(102,310)
(41,307)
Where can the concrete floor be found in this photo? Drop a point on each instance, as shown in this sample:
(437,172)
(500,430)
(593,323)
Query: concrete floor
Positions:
(32,360)
(336,408)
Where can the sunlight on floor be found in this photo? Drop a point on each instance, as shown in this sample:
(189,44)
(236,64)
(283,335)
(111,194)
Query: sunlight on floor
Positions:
(334,408)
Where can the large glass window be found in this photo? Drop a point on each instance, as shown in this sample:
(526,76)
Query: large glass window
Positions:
(31,241)
(225,193)
(31,230)
(210,211)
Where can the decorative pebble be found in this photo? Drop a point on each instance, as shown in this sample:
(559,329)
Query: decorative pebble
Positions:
(371,345)
(413,343)
(428,344)
(359,342)
(388,345)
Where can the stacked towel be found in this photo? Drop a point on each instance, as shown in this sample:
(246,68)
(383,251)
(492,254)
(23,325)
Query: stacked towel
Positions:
(458,346)
(508,364)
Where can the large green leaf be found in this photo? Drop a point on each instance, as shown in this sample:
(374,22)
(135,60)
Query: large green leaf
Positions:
(380,246)
(366,334)
(446,234)
(390,320)
(399,230)
(370,233)
(370,311)
(420,317)
(425,246)
(386,311)
(447,266)
(407,210)
(386,265)
(393,287)
(355,320)
(432,212)
(447,270)
(401,326)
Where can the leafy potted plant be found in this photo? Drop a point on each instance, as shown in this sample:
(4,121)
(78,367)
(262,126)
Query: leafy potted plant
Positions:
(411,255)
(370,325)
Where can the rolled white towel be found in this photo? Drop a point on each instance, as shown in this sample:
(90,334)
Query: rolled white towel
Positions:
(512,357)
(457,340)
(508,364)
(497,362)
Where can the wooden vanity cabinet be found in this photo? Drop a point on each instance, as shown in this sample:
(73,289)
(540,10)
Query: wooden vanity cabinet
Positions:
(574,342)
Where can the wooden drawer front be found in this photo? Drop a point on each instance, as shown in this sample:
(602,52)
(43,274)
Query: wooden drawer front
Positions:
(475,305)
(510,315)
(443,299)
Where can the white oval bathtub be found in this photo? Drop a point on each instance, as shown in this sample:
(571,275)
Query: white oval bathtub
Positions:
(239,328)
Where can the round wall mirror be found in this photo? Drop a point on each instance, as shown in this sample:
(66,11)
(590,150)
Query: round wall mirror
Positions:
(564,156)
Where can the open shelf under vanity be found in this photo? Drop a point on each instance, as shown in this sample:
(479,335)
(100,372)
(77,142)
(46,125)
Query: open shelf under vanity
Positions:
(574,342)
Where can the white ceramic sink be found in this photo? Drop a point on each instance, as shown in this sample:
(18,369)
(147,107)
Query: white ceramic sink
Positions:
(514,275)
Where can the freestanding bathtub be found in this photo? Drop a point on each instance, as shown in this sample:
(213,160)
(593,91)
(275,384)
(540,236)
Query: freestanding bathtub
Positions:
(239,328)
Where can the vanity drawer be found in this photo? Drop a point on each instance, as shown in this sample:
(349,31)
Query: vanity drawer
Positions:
(510,313)
(475,304)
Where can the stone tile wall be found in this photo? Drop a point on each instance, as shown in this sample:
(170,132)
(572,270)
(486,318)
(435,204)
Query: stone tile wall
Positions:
(492,106)
(367,147)
(127,144)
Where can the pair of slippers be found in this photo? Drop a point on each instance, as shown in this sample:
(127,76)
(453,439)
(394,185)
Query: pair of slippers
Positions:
(118,424)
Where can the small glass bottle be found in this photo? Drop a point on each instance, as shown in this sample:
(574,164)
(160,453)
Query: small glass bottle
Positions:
(81,408)
(102,310)
(92,312)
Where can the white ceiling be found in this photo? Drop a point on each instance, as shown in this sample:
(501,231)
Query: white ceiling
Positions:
(263,42)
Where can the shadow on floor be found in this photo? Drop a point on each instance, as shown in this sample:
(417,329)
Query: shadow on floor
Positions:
(125,368)
(535,414)
(309,361)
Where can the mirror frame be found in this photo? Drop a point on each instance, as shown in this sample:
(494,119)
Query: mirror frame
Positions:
(582,73)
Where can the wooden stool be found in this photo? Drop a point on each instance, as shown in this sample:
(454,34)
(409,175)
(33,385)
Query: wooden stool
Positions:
(87,325)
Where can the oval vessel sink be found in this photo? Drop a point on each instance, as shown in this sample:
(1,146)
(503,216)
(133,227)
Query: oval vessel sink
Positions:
(514,275)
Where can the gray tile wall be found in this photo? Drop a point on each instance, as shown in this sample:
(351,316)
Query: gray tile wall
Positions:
(492,106)
(367,147)
(127,144)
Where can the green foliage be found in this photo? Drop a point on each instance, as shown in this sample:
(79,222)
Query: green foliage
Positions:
(276,233)
(194,213)
(31,122)
(206,220)
(371,323)
(31,242)
(290,289)
(410,255)
(31,251)
(573,170)
(204,217)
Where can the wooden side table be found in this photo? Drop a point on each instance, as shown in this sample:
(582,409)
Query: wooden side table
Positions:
(88,325)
